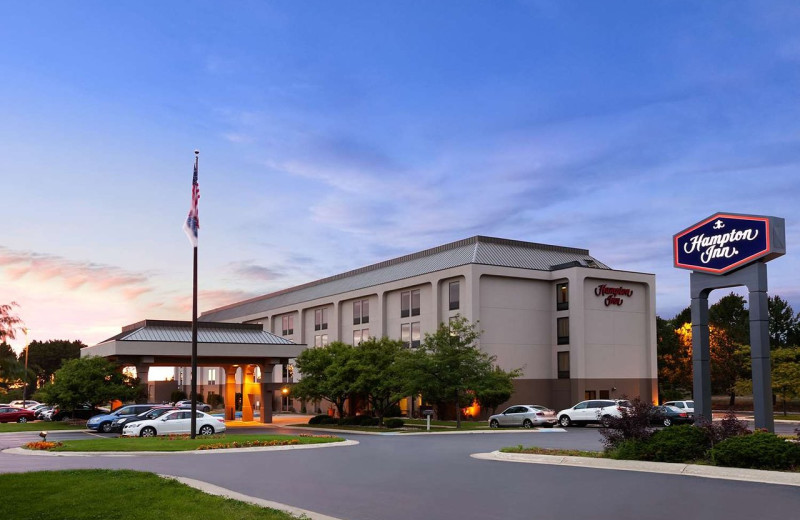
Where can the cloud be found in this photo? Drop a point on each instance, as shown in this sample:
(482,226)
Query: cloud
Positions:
(252,271)
(27,265)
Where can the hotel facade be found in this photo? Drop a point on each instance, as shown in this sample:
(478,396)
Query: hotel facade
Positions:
(577,328)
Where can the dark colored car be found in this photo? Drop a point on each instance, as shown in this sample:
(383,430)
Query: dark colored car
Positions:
(669,415)
(105,422)
(13,414)
(79,412)
(187,403)
(153,413)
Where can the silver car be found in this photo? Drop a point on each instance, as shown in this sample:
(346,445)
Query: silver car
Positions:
(525,415)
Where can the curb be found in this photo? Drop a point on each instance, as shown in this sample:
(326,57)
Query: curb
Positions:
(407,433)
(40,453)
(211,489)
(693,470)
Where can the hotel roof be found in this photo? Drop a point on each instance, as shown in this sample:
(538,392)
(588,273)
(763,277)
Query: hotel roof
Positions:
(475,250)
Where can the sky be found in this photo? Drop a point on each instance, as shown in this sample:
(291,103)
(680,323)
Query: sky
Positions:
(337,134)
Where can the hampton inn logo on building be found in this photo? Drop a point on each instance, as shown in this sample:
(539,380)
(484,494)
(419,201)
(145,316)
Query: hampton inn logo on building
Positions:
(723,242)
(613,294)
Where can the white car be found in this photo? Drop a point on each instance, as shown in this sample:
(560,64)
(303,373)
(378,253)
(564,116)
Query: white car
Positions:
(595,411)
(28,403)
(175,422)
(683,406)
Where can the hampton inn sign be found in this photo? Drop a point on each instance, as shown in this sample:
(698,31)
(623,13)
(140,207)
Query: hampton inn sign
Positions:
(729,250)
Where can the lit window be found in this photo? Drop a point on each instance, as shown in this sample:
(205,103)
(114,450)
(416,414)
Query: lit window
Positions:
(324,340)
(405,334)
(415,334)
(590,394)
(562,297)
(356,337)
(563,365)
(454,295)
(563,330)
(212,376)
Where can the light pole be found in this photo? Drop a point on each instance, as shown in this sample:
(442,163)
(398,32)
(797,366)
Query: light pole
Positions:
(25,388)
(285,392)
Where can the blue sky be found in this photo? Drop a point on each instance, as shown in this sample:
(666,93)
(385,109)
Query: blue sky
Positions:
(338,134)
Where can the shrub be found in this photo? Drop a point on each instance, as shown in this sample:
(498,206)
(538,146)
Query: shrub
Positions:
(321,419)
(728,427)
(215,400)
(683,443)
(394,423)
(358,420)
(393,411)
(177,395)
(760,450)
(632,449)
(633,424)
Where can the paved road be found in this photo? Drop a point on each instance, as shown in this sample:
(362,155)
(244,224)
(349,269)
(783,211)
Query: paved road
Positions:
(432,477)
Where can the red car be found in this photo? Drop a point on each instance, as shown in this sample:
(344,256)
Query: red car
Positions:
(11,414)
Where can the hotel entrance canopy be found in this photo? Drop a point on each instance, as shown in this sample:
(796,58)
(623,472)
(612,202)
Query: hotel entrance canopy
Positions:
(227,345)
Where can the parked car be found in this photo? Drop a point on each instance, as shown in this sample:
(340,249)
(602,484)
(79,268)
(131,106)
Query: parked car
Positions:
(685,406)
(187,403)
(594,411)
(14,414)
(80,412)
(525,415)
(152,413)
(45,413)
(104,422)
(669,415)
(175,422)
(28,403)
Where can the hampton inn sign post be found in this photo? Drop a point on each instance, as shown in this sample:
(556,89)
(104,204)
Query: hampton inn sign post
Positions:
(728,250)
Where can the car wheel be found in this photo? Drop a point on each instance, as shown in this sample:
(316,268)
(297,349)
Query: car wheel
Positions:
(207,430)
(105,427)
(527,424)
(494,424)
(606,421)
(22,420)
(667,421)
(564,421)
(148,432)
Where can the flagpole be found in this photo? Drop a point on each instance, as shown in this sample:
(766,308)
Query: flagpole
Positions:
(194,328)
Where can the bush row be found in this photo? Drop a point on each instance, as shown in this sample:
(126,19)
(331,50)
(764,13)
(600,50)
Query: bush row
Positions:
(358,420)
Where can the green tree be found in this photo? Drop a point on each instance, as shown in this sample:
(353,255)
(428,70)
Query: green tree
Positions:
(11,370)
(92,380)
(731,315)
(784,325)
(448,367)
(379,376)
(327,373)
(496,388)
(786,374)
(45,357)
(9,322)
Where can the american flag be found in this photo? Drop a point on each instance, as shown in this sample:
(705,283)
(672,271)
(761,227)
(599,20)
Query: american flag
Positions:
(192,223)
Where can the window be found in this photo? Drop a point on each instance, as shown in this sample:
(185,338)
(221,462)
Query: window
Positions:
(360,335)
(563,330)
(360,312)
(212,376)
(409,303)
(321,340)
(563,365)
(288,325)
(454,295)
(320,319)
(562,297)
(604,394)
(405,334)
(415,334)
(590,394)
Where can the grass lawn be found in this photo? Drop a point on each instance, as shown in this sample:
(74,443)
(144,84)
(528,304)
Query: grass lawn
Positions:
(788,417)
(116,495)
(181,444)
(534,450)
(40,426)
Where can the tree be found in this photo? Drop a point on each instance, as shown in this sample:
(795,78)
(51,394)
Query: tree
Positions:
(44,358)
(379,375)
(90,380)
(11,370)
(786,374)
(496,388)
(448,367)
(784,325)
(327,373)
(731,315)
(9,323)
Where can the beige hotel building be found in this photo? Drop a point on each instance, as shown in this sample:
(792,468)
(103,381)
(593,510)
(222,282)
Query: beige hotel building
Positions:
(577,328)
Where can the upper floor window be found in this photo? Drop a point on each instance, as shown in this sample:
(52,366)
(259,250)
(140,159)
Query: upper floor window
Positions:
(409,303)
(563,365)
(410,334)
(562,324)
(320,319)
(360,312)
(562,297)
(360,335)
(454,295)
(287,323)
